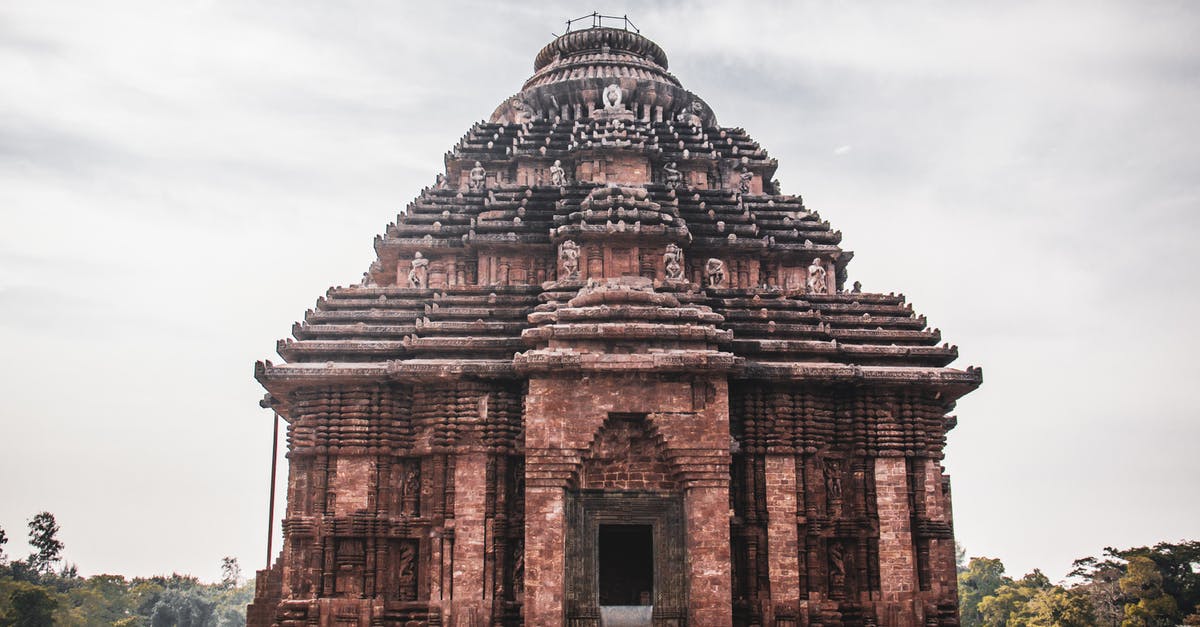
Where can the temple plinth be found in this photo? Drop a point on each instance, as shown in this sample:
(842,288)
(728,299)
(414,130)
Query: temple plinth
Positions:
(603,369)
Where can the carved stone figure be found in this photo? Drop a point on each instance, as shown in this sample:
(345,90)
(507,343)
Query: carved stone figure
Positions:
(558,176)
(837,565)
(407,568)
(744,180)
(521,112)
(612,97)
(833,486)
(418,276)
(690,114)
(478,177)
(714,272)
(815,284)
(412,488)
(368,279)
(671,175)
(673,262)
(518,567)
(833,480)
(568,259)
(857,288)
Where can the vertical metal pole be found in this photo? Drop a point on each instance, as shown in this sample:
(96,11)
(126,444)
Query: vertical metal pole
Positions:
(271,507)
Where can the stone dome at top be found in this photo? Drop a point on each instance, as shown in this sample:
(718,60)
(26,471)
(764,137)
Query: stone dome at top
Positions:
(572,71)
(600,41)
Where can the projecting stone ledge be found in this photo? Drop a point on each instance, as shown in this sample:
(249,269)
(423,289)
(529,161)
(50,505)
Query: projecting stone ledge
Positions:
(555,361)
(957,381)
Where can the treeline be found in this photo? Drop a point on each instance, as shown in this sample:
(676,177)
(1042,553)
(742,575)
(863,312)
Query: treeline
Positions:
(1138,587)
(42,590)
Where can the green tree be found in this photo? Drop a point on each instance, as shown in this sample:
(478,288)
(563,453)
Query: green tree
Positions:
(982,577)
(30,606)
(3,541)
(1058,607)
(181,608)
(1101,583)
(97,601)
(1179,565)
(43,537)
(1007,606)
(1150,606)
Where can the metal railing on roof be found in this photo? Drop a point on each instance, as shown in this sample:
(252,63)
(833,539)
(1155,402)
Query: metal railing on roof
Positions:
(598,21)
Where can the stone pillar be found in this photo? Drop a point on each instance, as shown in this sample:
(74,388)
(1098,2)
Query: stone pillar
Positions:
(897,562)
(544,555)
(937,510)
(470,488)
(783,548)
(708,554)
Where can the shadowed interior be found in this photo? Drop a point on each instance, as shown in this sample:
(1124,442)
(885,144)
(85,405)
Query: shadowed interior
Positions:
(626,565)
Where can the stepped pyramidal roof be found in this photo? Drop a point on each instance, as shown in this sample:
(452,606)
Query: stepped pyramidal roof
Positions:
(655,169)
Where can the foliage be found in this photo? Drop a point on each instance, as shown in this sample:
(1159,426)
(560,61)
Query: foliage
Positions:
(1149,605)
(1143,585)
(1006,606)
(982,577)
(104,600)
(1101,584)
(181,608)
(1056,606)
(28,606)
(1137,587)
(43,537)
(231,572)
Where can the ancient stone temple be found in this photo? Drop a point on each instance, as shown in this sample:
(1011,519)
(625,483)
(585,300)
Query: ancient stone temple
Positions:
(603,371)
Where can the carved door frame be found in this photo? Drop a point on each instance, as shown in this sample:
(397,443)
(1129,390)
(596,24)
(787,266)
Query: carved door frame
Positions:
(586,510)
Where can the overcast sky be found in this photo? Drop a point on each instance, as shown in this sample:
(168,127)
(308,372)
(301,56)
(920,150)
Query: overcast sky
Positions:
(180,181)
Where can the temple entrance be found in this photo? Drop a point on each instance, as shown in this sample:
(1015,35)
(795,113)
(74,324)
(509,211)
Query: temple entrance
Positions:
(626,569)
(624,559)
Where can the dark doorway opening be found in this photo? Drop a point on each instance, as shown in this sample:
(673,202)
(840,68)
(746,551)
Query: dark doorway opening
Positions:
(626,564)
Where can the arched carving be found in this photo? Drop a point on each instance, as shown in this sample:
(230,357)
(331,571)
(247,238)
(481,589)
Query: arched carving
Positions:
(627,453)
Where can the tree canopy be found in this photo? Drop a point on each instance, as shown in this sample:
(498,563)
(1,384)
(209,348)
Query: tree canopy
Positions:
(33,594)
(1137,587)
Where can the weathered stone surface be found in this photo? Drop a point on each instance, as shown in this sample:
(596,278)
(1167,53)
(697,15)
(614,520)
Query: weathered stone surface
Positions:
(604,314)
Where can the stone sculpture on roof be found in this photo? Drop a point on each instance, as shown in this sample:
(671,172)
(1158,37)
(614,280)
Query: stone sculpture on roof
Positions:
(558,176)
(619,395)
(673,262)
(816,282)
(612,97)
(419,273)
(568,259)
(671,175)
(478,177)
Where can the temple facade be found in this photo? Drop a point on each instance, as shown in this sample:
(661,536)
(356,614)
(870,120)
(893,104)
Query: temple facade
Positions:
(604,372)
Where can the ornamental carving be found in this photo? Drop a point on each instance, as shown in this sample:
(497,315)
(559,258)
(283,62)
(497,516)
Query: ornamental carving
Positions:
(815,282)
(568,260)
(714,272)
(673,263)
(418,276)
